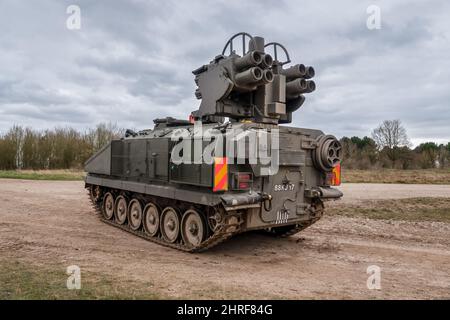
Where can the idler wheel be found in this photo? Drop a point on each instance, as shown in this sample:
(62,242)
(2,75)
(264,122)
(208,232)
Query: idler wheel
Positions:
(95,194)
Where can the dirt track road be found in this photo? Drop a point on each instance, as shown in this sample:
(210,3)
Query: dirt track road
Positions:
(377,191)
(52,223)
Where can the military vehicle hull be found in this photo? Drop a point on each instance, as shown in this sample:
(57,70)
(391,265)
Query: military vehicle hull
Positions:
(192,184)
(135,185)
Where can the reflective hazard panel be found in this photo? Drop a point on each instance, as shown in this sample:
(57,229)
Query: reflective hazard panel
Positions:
(336,175)
(220,174)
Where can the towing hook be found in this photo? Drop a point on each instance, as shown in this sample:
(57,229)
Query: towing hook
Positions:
(267,201)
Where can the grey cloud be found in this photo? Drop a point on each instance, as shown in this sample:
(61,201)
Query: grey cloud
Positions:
(160,83)
(16,92)
(132,60)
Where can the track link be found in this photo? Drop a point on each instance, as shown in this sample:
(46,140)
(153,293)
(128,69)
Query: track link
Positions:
(221,234)
(297,228)
(318,210)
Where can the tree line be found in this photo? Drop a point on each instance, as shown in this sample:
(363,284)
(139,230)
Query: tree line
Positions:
(67,148)
(389,147)
(60,148)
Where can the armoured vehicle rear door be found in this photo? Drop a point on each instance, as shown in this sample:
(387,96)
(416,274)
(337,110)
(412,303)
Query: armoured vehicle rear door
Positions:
(287,185)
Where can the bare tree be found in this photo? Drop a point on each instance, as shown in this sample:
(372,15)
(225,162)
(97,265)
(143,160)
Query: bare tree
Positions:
(390,136)
(15,137)
(102,134)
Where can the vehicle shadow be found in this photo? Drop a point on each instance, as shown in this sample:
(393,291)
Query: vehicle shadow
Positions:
(254,242)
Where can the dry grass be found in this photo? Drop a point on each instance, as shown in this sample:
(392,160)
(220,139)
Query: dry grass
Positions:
(20,280)
(413,209)
(63,175)
(428,176)
(425,176)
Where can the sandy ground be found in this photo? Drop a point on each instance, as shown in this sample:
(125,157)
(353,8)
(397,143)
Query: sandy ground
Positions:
(52,223)
(377,191)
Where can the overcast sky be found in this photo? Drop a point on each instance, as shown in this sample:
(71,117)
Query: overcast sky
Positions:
(131,61)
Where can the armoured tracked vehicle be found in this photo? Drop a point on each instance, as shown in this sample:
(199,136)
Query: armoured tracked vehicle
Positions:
(230,168)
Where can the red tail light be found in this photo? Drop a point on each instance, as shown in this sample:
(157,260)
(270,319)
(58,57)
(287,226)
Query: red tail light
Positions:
(336,175)
(242,181)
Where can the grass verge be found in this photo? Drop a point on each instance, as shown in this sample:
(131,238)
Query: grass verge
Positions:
(22,281)
(413,209)
(57,175)
(432,176)
(425,176)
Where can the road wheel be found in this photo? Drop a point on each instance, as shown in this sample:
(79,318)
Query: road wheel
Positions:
(121,209)
(108,206)
(95,193)
(170,224)
(193,228)
(135,214)
(151,219)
